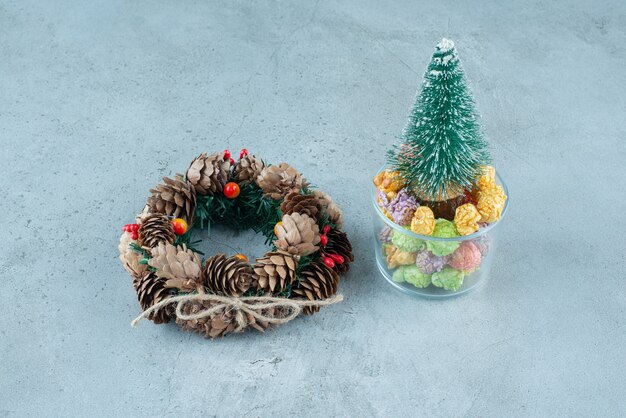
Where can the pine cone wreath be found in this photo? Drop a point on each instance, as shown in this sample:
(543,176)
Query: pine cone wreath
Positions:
(338,243)
(228,276)
(277,181)
(316,282)
(175,198)
(328,206)
(129,258)
(179,265)
(209,174)
(275,271)
(247,169)
(154,229)
(297,234)
(227,294)
(306,204)
(151,289)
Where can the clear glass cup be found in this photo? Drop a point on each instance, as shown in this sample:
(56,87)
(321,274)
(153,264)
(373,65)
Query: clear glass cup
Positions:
(456,264)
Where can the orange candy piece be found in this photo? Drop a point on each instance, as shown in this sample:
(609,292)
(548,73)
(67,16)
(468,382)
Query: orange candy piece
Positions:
(389,182)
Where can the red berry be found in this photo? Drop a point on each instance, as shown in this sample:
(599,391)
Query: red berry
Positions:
(328,261)
(134,235)
(134,227)
(326,229)
(337,258)
(232,162)
(242,257)
(226,154)
(179,226)
(125,228)
(323,240)
(231,190)
(243,153)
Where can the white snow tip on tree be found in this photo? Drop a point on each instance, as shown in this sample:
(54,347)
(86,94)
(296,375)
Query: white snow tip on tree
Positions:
(445,45)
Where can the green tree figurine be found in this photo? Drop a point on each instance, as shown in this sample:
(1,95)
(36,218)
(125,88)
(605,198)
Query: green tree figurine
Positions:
(442,148)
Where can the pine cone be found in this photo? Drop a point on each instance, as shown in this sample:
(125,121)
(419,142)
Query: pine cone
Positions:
(275,271)
(150,290)
(215,325)
(329,207)
(277,181)
(154,229)
(129,258)
(178,264)
(338,243)
(297,234)
(175,198)
(317,282)
(222,322)
(228,276)
(248,168)
(295,202)
(208,174)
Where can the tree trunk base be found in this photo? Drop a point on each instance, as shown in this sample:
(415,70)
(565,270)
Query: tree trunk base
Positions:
(447,208)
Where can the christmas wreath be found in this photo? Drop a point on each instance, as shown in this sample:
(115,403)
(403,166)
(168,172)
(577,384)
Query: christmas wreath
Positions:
(224,294)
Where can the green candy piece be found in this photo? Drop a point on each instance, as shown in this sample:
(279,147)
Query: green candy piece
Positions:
(414,276)
(442,248)
(443,229)
(407,243)
(449,278)
(398,275)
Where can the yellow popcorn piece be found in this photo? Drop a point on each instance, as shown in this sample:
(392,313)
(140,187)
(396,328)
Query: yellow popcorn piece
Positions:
(389,182)
(490,203)
(488,178)
(466,218)
(423,221)
(396,258)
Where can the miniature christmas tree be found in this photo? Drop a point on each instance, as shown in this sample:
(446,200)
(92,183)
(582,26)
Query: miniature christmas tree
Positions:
(442,147)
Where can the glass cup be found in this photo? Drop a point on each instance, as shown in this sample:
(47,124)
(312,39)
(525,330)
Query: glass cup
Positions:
(428,266)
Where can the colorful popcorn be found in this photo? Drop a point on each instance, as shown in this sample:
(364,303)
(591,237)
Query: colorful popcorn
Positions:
(407,243)
(423,221)
(428,263)
(402,208)
(443,229)
(448,278)
(467,257)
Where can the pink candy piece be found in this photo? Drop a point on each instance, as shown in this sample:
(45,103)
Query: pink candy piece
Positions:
(466,257)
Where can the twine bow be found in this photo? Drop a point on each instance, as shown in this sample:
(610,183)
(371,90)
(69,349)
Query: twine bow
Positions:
(251,305)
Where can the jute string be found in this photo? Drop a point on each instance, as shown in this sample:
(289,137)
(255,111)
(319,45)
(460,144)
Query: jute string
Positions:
(252,305)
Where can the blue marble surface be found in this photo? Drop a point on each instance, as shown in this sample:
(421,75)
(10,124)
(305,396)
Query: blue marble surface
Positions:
(98,100)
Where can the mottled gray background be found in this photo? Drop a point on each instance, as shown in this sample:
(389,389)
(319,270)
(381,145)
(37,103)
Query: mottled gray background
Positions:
(98,100)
